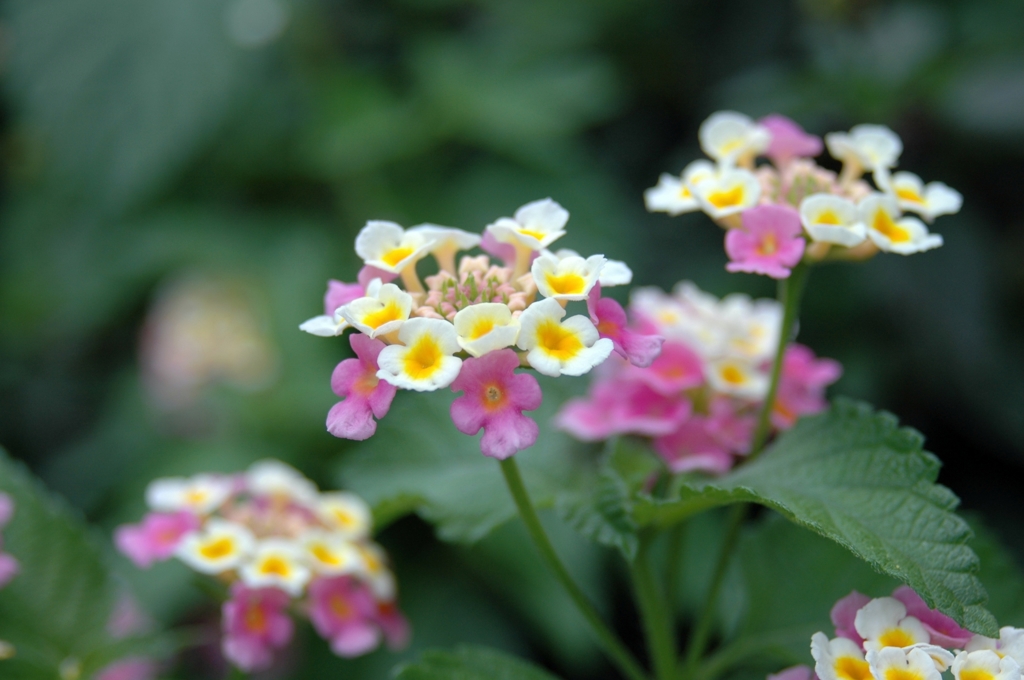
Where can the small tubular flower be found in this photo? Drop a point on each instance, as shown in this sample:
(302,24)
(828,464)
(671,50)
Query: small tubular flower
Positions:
(9,566)
(788,140)
(329,324)
(220,546)
(839,659)
(277,563)
(279,482)
(927,201)
(729,193)
(566,278)
(985,665)
(389,247)
(346,514)
(328,554)
(883,622)
(613,272)
(888,663)
(831,219)
(199,494)
(610,320)
(871,147)
(255,623)
(1010,643)
(494,398)
(890,232)
(554,347)
(691,447)
(844,613)
(364,395)
(424,362)
(343,611)
(674,194)
(384,309)
(732,138)
(942,630)
(447,241)
(737,378)
(535,226)
(156,537)
(486,327)
(769,242)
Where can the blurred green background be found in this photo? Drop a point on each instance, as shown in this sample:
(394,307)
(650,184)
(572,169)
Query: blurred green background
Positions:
(181,177)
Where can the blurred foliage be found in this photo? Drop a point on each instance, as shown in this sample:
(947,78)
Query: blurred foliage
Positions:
(244,142)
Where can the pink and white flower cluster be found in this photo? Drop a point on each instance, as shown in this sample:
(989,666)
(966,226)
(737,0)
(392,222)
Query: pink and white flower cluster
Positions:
(8,565)
(901,637)
(792,209)
(470,326)
(699,399)
(281,544)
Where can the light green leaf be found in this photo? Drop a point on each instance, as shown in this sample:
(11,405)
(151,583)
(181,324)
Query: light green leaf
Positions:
(855,477)
(471,663)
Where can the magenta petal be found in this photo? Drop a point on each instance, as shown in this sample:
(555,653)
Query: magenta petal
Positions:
(843,614)
(132,668)
(584,419)
(8,569)
(345,375)
(394,625)
(690,447)
(255,622)
(355,639)
(507,432)
(340,293)
(132,541)
(792,673)
(639,350)
(944,631)
(6,509)
(506,252)
(380,399)
(467,414)
(368,274)
(351,419)
(789,140)
(524,392)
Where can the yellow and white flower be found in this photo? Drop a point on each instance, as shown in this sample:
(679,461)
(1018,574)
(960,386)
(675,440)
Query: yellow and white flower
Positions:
(896,663)
(985,664)
(865,147)
(387,246)
(375,568)
(274,479)
(729,193)
(447,241)
(486,327)
(1010,643)
(329,554)
(424,361)
(750,327)
(325,326)
(929,201)
(832,219)
(731,137)
(674,195)
(346,514)
(535,226)
(220,546)
(200,494)
(613,273)
(892,233)
(554,347)
(737,378)
(384,309)
(277,563)
(838,659)
(566,278)
(883,622)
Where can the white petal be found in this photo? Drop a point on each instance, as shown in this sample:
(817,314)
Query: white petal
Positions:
(323,326)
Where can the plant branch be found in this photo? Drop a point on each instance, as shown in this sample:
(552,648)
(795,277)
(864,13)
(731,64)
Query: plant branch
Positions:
(655,612)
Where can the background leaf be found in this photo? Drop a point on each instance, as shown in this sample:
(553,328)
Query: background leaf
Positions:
(471,663)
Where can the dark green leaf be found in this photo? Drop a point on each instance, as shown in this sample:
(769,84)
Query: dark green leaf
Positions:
(471,663)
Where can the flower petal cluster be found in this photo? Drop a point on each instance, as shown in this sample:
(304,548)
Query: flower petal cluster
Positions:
(8,565)
(901,637)
(474,322)
(839,216)
(698,395)
(282,545)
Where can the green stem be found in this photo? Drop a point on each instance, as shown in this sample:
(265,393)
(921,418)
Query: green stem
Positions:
(655,611)
(675,561)
(701,631)
(615,650)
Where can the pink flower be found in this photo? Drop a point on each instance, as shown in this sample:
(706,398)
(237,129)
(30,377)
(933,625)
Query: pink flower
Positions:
(729,426)
(610,320)
(506,252)
(393,623)
(769,243)
(802,385)
(494,399)
(255,624)
(6,509)
(789,140)
(365,395)
(8,569)
(344,612)
(132,668)
(943,630)
(368,273)
(340,293)
(619,406)
(155,538)
(676,369)
(792,673)
(691,447)
(843,614)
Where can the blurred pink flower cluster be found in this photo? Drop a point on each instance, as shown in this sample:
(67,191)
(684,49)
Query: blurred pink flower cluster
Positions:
(698,401)
(8,565)
(278,542)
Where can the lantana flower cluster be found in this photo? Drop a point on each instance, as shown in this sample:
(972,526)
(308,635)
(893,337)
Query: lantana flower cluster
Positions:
(279,544)
(8,565)
(901,637)
(470,326)
(700,398)
(792,209)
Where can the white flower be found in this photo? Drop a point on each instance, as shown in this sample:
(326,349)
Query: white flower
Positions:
(985,664)
(674,195)
(535,226)
(274,479)
(729,137)
(329,554)
(486,327)
(838,659)
(447,241)
(424,361)
(374,567)
(572,347)
(384,309)
(750,327)
(731,192)
(277,563)
(1010,643)
(200,494)
(890,663)
(346,514)
(832,219)
(386,246)
(873,147)
(883,622)
(737,378)
(927,201)
(218,547)
(891,233)
(613,273)
(324,326)
(566,278)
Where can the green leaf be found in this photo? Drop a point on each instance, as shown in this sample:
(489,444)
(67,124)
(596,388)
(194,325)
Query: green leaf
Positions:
(855,477)
(471,663)
(55,611)
(418,462)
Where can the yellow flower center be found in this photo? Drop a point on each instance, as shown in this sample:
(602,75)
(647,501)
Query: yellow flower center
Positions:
(372,563)
(423,359)
(481,328)
(217,548)
(909,195)
(494,397)
(396,255)
(727,199)
(277,566)
(852,668)
(733,375)
(324,554)
(539,235)
(340,606)
(569,283)
(976,674)
(196,496)
(885,226)
(558,342)
(896,637)
(769,244)
(731,146)
(344,518)
(390,312)
(255,618)
(902,674)
(684,192)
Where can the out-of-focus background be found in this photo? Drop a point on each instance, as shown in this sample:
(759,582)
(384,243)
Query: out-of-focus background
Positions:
(181,177)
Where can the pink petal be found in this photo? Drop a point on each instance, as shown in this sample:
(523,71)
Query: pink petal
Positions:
(676,369)
(340,293)
(467,413)
(6,509)
(843,614)
(368,274)
(381,397)
(394,625)
(944,631)
(8,569)
(355,639)
(640,350)
(610,320)
(789,140)
(690,447)
(793,673)
(524,391)
(134,668)
(351,419)
(584,419)
(346,374)
(507,432)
